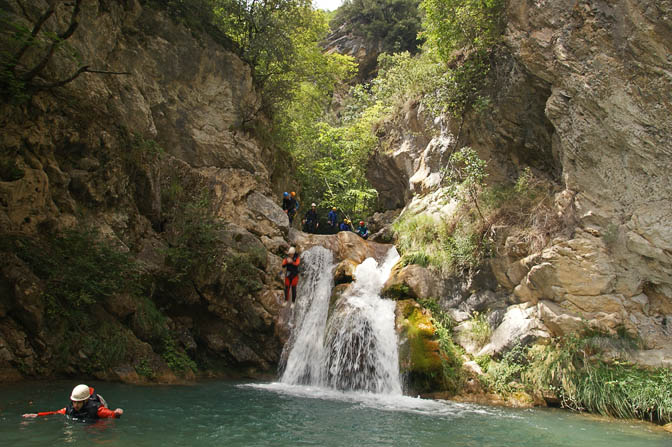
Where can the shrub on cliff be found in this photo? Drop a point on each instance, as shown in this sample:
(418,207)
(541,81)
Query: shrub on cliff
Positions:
(192,236)
(78,267)
(388,25)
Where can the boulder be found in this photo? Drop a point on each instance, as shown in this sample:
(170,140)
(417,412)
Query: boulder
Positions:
(521,324)
(121,305)
(412,281)
(344,245)
(264,208)
(420,359)
(576,267)
(345,271)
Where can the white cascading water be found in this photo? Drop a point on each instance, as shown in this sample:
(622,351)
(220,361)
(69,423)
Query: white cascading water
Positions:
(357,350)
(306,348)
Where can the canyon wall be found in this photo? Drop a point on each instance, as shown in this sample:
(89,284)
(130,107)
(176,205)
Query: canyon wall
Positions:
(125,156)
(583,98)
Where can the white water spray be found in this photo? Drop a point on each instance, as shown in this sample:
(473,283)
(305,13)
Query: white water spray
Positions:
(306,347)
(357,350)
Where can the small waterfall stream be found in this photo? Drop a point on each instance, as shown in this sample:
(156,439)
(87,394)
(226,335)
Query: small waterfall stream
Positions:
(357,348)
(305,345)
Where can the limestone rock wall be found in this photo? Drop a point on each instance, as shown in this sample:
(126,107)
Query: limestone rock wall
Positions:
(116,153)
(583,98)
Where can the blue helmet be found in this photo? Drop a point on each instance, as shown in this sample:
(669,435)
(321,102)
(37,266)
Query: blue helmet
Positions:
(285,194)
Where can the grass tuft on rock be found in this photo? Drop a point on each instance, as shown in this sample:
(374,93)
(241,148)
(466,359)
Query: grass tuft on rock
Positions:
(571,369)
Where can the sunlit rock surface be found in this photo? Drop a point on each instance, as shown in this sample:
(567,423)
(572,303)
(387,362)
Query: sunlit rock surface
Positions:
(584,96)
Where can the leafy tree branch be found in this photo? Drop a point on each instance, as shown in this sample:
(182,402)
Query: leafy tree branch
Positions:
(22,71)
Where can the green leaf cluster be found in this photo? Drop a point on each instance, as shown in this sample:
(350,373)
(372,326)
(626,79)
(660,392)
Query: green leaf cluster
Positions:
(432,242)
(79,267)
(571,368)
(466,173)
(280,40)
(451,357)
(451,25)
(192,237)
(390,25)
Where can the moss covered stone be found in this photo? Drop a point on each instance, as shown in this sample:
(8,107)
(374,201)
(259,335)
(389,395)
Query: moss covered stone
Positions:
(419,352)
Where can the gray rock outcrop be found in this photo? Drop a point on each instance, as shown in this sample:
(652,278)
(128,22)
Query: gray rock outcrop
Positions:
(583,97)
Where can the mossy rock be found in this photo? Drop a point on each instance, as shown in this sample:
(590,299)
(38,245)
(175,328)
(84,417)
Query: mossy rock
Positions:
(419,352)
(398,291)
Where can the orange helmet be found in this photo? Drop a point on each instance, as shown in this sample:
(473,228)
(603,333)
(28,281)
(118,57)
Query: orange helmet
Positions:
(293,194)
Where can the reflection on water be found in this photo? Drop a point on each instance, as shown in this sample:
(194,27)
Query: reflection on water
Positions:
(277,414)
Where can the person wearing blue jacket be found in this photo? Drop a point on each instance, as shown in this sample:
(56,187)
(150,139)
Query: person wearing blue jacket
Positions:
(332,220)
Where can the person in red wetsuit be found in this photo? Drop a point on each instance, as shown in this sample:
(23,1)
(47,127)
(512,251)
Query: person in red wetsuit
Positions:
(291,264)
(84,404)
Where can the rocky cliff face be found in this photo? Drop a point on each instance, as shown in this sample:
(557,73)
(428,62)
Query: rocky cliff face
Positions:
(344,42)
(583,99)
(122,155)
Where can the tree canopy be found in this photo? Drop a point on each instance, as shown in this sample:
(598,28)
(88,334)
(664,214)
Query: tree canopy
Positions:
(390,25)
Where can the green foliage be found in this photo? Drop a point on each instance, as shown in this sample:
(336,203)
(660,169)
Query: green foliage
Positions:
(398,291)
(79,267)
(526,207)
(473,27)
(451,25)
(149,323)
(571,369)
(105,348)
(480,329)
(466,172)
(27,50)
(451,357)
(143,147)
(331,159)
(438,315)
(193,237)
(141,151)
(483,361)
(280,40)
(431,242)
(504,377)
(144,369)
(176,359)
(197,15)
(391,25)
(14,36)
(242,277)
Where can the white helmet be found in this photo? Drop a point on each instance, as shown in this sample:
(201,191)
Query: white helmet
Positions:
(80,393)
(313,204)
(291,251)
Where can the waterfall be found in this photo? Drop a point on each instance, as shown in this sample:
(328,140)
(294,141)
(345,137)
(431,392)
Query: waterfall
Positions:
(306,348)
(357,348)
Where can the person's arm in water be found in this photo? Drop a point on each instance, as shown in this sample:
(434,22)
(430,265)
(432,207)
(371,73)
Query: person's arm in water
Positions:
(102,413)
(43,413)
(107,413)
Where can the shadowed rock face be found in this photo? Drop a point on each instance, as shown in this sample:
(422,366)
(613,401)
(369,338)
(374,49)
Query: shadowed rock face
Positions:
(118,153)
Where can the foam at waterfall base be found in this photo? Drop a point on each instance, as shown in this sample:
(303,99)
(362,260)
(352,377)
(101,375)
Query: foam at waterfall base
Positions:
(378,401)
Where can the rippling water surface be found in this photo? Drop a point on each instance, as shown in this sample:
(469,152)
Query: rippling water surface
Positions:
(275,414)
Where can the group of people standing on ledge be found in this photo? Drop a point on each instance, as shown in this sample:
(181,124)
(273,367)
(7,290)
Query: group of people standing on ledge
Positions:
(311,221)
